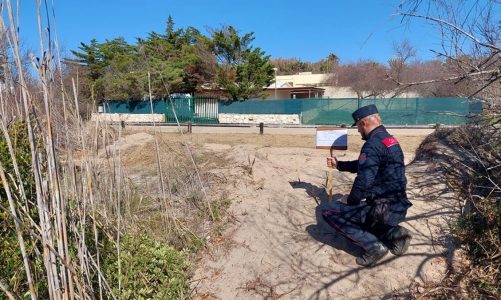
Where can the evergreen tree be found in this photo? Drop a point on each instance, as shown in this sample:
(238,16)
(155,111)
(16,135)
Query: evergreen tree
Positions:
(176,60)
(243,71)
(109,64)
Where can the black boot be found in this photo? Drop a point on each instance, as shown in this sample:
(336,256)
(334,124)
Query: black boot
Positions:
(371,256)
(397,239)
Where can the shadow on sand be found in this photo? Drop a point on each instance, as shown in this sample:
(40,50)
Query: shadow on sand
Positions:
(321,231)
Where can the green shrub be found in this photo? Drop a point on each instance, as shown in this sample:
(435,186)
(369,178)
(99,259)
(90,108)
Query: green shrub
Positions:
(18,133)
(149,270)
(12,271)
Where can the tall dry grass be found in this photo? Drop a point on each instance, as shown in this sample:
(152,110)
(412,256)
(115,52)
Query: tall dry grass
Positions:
(66,193)
(65,199)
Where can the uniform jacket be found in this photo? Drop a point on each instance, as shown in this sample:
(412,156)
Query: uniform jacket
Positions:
(380,168)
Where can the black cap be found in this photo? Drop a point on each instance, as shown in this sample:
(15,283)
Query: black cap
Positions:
(363,112)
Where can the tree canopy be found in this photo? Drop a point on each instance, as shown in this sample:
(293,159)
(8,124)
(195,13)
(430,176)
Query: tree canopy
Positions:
(118,70)
(183,60)
(179,61)
(243,71)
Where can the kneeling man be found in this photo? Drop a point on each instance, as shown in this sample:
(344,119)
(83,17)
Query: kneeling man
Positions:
(370,214)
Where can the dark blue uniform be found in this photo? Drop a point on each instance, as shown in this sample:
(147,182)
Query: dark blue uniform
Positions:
(381,182)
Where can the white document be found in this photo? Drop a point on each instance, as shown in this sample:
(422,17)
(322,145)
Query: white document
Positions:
(335,138)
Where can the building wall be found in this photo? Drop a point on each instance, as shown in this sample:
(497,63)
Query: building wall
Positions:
(338,92)
(305,79)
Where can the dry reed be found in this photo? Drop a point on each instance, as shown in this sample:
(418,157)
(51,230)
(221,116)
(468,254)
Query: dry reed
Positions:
(79,194)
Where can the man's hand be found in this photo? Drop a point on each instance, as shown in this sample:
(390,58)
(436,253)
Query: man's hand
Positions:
(332,162)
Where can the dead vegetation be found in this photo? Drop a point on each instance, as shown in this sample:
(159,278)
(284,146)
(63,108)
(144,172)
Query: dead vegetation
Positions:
(85,214)
(266,290)
(195,213)
(469,156)
(469,159)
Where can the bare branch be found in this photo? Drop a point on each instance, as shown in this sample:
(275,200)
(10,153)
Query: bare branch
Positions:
(473,38)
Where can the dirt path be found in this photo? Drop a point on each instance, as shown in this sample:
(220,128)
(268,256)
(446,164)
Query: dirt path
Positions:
(277,245)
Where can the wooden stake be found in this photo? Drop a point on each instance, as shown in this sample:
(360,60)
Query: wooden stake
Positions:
(330,179)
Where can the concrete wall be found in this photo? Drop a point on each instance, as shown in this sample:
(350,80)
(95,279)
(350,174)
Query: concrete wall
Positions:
(258,118)
(106,117)
(223,118)
(338,92)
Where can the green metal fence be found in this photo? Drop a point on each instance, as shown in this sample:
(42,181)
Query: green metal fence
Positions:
(133,107)
(396,111)
(192,109)
(185,109)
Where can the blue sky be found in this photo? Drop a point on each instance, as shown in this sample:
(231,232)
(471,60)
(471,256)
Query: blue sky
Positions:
(308,30)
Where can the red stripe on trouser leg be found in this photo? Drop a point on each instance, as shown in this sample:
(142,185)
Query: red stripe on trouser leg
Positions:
(327,217)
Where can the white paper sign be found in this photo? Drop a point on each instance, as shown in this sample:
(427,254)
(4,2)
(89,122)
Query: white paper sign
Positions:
(332,138)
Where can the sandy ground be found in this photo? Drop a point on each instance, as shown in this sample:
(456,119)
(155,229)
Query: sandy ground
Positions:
(254,129)
(276,245)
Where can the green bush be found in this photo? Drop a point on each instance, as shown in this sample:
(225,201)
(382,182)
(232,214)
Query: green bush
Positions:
(18,133)
(149,270)
(12,271)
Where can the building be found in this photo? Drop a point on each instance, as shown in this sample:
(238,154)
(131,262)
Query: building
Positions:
(309,85)
(303,85)
(282,89)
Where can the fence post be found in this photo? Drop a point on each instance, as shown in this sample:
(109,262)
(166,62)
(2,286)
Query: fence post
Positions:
(261,128)
(189,127)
